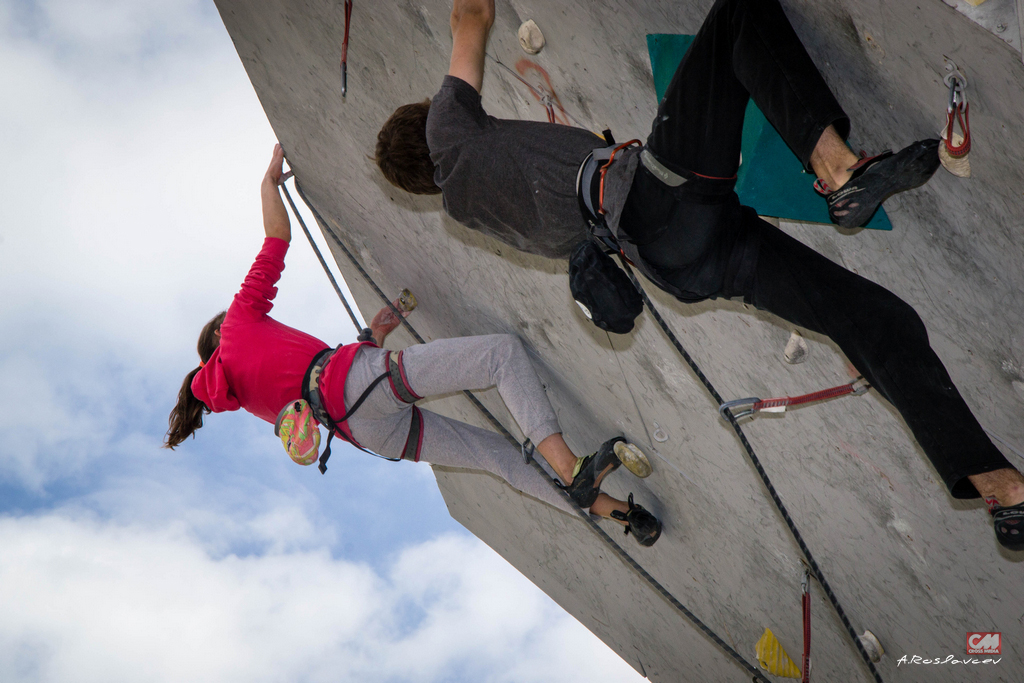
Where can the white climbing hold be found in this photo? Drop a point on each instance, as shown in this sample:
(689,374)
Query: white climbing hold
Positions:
(796,349)
(871,645)
(530,37)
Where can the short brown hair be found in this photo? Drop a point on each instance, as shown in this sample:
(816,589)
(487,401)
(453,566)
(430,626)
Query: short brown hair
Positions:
(402,153)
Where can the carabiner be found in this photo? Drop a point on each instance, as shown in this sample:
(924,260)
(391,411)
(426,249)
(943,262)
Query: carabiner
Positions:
(527,448)
(957,83)
(729,405)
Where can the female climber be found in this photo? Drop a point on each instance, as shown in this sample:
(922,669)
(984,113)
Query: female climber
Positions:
(249,360)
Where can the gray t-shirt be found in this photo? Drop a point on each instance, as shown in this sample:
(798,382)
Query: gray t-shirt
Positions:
(513,180)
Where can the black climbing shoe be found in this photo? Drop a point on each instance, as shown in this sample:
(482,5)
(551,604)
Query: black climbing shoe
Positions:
(877,178)
(1009,523)
(591,470)
(645,527)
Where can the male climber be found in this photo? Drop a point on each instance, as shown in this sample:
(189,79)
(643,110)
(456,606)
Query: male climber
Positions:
(670,205)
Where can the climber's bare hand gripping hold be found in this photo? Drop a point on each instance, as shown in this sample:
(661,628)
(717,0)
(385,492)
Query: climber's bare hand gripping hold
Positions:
(249,360)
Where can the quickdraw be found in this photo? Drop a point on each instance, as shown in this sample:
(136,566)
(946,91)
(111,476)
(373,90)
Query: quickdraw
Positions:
(344,49)
(778,405)
(957,110)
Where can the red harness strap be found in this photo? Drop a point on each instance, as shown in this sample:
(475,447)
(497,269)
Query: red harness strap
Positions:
(604,169)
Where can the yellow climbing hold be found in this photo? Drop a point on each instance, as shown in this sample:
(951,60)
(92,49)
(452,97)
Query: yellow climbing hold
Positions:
(773,658)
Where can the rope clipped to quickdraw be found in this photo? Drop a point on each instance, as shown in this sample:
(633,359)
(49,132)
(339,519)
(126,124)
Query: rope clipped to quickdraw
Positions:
(756,462)
(956,145)
(779,405)
(527,451)
(550,103)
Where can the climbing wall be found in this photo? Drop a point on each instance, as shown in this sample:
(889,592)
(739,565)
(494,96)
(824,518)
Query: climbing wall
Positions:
(906,561)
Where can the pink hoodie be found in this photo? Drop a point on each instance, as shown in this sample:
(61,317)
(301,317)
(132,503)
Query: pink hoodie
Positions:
(260,363)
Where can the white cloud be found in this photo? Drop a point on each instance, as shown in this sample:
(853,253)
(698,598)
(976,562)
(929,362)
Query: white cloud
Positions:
(131,214)
(87,601)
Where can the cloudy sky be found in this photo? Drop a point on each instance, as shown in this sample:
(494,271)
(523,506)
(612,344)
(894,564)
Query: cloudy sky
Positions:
(129,215)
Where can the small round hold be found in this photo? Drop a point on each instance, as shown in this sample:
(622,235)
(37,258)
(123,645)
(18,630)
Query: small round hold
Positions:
(406,301)
(530,37)
(796,349)
(871,645)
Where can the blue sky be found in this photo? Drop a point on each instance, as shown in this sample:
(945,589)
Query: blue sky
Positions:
(135,148)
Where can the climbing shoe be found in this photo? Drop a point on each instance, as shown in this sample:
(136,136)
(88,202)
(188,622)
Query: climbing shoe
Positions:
(589,471)
(877,178)
(645,527)
(1009,523)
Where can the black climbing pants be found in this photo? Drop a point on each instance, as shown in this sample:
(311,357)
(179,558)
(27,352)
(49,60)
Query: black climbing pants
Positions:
(699,239)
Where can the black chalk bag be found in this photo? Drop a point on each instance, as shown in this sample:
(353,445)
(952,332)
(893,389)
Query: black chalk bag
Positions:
(602,289)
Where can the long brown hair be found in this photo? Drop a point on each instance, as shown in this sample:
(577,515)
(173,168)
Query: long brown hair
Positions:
(187,415)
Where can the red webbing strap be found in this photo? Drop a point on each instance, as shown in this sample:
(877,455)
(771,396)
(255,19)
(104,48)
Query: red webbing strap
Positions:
(841,390)
(604,171)
(959,114)
(344,49)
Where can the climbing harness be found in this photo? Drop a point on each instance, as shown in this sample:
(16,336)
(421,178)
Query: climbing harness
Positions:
(598,286)
(526,451)
(956,146)
(344,49)
(606,166)
(312,395)
(779,405)
(310,387)
(752,456)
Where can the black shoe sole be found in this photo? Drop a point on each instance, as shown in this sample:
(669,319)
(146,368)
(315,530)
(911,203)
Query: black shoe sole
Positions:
(648,541)
(853,205)
(1005,519)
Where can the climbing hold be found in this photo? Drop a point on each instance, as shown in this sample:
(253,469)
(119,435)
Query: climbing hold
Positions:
(406,301)
(633,459)
(530,37)
(871,645)
(773,658)
(796,349)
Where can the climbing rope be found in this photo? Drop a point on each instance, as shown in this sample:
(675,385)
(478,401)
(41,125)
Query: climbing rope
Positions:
(523,447)
(545,98)
(316,249)
(805,603)
(727,414)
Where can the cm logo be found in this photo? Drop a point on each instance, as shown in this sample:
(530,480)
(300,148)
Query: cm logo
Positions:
(984,643)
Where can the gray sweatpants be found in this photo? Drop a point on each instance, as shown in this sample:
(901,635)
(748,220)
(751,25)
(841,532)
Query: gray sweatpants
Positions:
(445,366)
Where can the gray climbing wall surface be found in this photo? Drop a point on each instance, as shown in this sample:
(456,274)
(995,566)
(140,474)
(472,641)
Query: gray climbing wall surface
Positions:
(909,563)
